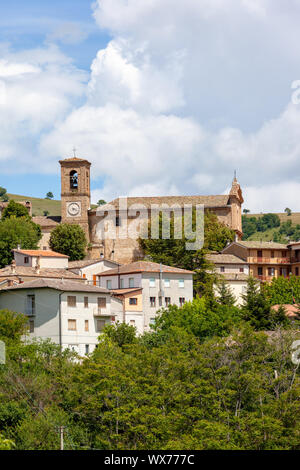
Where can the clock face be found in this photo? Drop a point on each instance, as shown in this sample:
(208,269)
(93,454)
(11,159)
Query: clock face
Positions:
(73,209)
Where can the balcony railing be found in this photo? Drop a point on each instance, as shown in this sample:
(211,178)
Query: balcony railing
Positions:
(269,260)
(295,260)
(101,312)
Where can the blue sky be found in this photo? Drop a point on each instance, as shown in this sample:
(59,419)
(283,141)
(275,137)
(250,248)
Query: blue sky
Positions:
(34,22)
(163,98)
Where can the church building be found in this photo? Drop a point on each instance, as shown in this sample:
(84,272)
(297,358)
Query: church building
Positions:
(76,209)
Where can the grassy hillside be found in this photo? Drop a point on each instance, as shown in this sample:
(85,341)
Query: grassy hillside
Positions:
(39,205)
(268,235)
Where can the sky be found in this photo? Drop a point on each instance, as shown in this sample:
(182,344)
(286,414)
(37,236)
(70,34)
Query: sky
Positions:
(163,97)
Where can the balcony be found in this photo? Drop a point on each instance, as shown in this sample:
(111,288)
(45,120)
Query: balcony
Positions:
(269,260)
(295,259)
(30,312)
(101,312)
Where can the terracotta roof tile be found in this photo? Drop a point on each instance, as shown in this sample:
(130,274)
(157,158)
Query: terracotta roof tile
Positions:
(44,253)
(23,272)
(221,258)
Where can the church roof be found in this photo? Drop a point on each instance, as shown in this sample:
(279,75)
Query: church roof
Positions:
(208,201)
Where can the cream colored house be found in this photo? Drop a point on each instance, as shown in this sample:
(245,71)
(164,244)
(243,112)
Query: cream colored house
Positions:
(89,269)
(234,270)
(146,287)
(70,314)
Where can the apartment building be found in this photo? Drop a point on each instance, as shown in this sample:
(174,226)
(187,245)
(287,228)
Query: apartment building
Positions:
(145,287)
(294,249)
(266,260)
(68,313)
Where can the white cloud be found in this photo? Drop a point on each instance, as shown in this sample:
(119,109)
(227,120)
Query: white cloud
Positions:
(38,89)
(183,94)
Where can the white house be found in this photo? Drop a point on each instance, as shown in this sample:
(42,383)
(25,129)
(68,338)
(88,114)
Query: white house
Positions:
(146,287)
(88,269)
(67,312)
(234,270)
(41,258)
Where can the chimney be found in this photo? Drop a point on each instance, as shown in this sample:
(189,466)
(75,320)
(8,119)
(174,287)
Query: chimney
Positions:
(38,266)
(13,267)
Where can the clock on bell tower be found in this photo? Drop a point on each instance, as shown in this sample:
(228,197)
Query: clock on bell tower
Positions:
(75,192)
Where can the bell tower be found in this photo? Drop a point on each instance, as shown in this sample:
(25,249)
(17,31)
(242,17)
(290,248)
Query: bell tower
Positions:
(75,192)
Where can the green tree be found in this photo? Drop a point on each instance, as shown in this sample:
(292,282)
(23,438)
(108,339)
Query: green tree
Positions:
(14,209)
(49,195)
(288,211)
(6,444)
(101,202)
(225,295)
(283,290)
(120,334)
(69,240)
(12,325)
(256,307)
(2,192)
(46,213)
(16,231)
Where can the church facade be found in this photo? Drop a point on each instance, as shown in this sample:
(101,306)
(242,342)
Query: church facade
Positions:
(105,226)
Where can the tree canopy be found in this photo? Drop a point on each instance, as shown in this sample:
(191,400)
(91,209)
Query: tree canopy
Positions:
(69,240)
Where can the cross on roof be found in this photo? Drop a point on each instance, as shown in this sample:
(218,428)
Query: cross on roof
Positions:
(74,152)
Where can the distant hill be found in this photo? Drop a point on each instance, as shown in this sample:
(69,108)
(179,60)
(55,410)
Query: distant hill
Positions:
(268,235)
(39,206)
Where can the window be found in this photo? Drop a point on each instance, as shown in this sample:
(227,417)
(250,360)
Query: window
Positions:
(133,301)
(72,325)
(108,284)
(87,349)
(152,282)
(167,282)
(271,271)
(101,302)
(71,301)
(100,325)
(259,254)
(86,302)
(31,326)
(152,301)
(131,282)
(283,254)
(181,282)
(297,271)
(86,325)
(181,301)
(121,283)
(26,260)
(118,221)
(241,270)
(74,180)
(222,269)
(167,301)
(30,307)
(132,322)
(272,254)
(260,271)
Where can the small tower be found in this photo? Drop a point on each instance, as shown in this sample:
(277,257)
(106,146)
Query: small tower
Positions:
(236,200)
(75,192)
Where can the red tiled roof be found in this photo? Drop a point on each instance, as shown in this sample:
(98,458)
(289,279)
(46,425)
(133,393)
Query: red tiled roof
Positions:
(43,253)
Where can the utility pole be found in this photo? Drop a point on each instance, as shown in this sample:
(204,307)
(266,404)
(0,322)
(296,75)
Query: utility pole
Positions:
(61,428)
